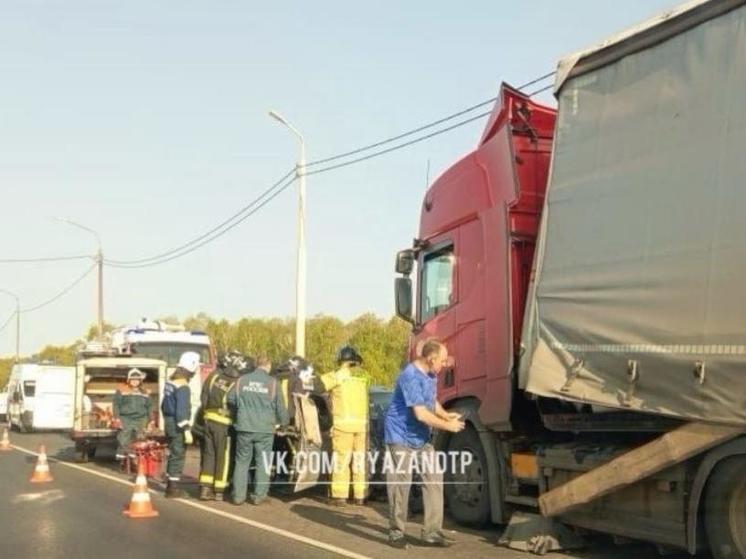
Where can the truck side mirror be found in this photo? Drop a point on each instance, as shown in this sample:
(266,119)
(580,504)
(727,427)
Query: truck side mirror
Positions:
(405,261)
(403,298)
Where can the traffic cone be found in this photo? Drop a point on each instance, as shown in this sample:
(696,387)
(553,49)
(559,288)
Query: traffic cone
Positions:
(41,471)
(140,505)
(5,442)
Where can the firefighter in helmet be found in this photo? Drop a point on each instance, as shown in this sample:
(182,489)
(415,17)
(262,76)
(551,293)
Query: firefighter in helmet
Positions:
(131,409)
(348,390)
(216,447)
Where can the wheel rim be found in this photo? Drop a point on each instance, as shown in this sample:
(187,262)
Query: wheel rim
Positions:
(737,517)
(469,483)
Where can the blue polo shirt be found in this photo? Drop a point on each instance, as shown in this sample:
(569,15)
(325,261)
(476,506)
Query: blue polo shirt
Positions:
(413,388)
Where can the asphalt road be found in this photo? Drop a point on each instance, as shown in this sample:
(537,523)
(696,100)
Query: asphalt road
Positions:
(79,514)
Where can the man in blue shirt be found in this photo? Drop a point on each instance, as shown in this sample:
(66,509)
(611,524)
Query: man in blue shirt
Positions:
(413,412)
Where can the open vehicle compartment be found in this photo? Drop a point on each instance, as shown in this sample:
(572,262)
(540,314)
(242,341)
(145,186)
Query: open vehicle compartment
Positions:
(97,380)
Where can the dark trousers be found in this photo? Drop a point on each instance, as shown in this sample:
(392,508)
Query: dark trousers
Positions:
(131,426)
(176,449)
(256,448)
(399,482)
(216,456)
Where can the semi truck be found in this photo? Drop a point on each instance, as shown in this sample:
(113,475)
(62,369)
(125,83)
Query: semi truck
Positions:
(585,268)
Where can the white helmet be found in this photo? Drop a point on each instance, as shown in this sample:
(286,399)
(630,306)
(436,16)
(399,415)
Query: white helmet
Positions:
(189,360)
(136,374)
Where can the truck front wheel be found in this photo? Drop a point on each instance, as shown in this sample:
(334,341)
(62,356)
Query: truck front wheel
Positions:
(467,491)
(725,510)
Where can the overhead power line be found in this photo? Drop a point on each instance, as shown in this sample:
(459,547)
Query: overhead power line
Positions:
(418,139)
(257,206)
(61,294)
(280,185)
(5,324)
(274,190)
(226,223)
(400,146)
(423,127)
(45,259)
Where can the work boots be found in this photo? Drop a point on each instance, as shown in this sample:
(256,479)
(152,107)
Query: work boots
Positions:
(173,491)
(206,493)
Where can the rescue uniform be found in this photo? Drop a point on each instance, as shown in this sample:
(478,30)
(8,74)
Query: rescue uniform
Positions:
(259,406)
(177,414)
(216,447)
(348,390)
(132,406)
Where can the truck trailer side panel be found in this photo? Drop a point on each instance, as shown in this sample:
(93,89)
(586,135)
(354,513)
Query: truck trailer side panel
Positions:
(638,298)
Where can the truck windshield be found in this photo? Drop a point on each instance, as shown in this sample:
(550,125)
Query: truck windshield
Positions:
(170,352)
(29,388)
(436,293)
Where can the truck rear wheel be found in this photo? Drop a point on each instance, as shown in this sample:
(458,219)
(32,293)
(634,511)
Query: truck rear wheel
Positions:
(467,492)
(725,510)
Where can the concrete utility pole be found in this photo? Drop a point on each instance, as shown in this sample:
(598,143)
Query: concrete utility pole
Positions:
(99,258)
(18,323)
(300,278)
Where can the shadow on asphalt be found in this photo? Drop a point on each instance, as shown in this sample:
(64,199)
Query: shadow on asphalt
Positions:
(349,521)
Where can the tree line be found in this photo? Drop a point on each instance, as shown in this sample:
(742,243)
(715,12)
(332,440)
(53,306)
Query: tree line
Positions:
(381,342)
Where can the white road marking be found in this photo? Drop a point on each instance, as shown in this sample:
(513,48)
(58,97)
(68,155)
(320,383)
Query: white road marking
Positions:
(45,497)
(266,527)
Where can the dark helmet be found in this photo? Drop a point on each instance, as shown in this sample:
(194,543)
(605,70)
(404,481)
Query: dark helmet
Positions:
(234,360)
(295,364)
(348,354)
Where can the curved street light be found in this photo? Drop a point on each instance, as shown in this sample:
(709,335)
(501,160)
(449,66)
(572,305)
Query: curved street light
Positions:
(300,278)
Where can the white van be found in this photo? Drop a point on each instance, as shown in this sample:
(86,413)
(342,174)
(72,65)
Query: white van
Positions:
(41,397)
(4,405)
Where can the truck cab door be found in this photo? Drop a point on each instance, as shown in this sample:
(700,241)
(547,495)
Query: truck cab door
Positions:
(309,448)
(438,299)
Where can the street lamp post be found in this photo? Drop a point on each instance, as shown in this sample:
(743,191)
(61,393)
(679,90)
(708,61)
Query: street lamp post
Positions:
(300,277)
(18,323)
(99,258)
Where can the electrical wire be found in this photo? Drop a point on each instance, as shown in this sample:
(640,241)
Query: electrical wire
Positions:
(260,201)
(61,294)
(257,203)
(122,263)
(543,89)
(400,146)
(258,207)
(421,128)
(44,259)
(5,324)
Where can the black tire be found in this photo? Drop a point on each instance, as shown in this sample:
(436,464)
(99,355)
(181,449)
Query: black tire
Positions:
(725,509)
(468,495)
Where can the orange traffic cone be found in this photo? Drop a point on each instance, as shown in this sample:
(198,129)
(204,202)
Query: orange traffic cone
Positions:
(5,442)
(41,471)
(140,505)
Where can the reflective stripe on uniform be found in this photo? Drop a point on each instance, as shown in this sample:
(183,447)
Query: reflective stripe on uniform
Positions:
(206,478)
(223,482)
(218,418)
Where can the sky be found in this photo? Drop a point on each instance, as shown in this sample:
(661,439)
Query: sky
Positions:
(147,122)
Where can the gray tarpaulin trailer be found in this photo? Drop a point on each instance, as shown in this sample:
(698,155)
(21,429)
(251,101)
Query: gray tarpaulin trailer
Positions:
(638,298)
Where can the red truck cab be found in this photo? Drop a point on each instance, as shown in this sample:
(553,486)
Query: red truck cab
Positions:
(474,253)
